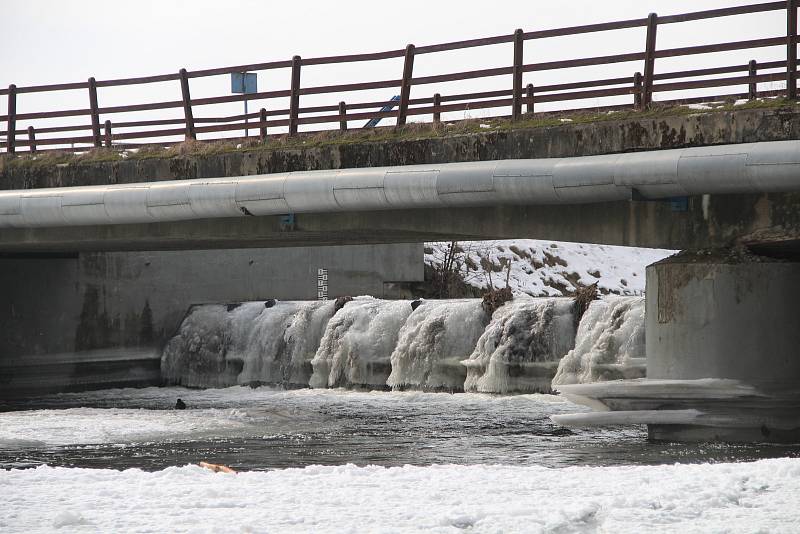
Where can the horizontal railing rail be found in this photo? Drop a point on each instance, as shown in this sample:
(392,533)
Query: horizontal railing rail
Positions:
(641,87)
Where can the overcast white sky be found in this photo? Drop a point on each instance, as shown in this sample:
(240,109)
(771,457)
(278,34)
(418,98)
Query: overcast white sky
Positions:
(52,41)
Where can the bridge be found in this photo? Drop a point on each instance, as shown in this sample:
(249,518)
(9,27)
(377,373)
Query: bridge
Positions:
(706,197)
(722,183)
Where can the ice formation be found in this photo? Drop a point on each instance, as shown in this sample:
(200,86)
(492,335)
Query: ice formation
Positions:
(220,345)
(609,345)
(521,347)
(446,345)
(197,355)
(432,343)
(358,342)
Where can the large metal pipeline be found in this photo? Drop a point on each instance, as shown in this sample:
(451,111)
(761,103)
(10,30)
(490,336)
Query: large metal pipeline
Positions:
(742,168)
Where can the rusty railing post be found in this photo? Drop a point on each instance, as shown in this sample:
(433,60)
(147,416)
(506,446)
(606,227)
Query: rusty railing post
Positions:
(12,119)
(529,98)
(752,87)
(262,129)
(437,114)
(294,98)
(187,105)
(791,49)
(32,139)
(649,59)
(516,106)
(637,91)
(342,115)
(95,114)
(405,85)
(107,134)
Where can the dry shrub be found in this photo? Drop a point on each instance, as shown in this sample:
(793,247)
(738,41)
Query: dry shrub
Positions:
(583,296)
(494,298)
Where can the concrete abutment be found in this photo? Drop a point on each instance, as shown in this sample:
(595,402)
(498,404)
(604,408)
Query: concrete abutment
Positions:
(728,316)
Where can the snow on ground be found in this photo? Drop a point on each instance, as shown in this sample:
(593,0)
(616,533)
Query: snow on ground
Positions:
(549,268)
(749,497)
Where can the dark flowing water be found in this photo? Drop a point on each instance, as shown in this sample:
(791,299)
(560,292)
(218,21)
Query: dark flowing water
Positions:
(258,429)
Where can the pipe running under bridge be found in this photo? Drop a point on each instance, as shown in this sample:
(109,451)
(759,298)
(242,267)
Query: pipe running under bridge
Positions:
(764,167)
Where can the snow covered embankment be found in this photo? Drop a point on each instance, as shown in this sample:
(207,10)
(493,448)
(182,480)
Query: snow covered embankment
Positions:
(548,268)
(743,497)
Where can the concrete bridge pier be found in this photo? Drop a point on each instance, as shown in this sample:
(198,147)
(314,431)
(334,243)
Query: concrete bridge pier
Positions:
(727,315)
(723,354)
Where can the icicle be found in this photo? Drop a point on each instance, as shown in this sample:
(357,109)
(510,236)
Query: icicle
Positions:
(219,346)
(197,356)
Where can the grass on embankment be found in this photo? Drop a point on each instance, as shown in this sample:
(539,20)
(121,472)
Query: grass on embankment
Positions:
(412,131)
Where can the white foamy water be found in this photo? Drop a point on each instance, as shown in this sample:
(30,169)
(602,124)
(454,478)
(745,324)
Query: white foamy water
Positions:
(610,343)
(432,343)
(747,497)
(521,346)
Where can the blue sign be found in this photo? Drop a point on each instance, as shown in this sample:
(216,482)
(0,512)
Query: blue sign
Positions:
(244,82)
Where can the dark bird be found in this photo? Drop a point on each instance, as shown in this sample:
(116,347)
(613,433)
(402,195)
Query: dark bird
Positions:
(180,405)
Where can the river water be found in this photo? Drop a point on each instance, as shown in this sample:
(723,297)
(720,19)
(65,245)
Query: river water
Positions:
(267,428)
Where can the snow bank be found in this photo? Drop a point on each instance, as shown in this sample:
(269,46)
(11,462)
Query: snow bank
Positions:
(550,268)
(749,497)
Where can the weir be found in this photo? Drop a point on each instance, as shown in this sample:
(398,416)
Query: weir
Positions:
(451,345)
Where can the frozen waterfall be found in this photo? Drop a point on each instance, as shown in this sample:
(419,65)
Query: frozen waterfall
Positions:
(434,345)
(358,343)
(610,343)
(520,349)
(220,345)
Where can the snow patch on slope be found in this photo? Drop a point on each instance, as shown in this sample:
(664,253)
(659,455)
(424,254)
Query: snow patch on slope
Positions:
(549,268)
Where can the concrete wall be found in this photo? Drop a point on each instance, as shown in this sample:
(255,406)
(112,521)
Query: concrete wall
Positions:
(107,306)
(730,317)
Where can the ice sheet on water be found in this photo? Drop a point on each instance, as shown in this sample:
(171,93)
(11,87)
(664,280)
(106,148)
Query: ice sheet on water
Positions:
(129,416)
(745,497)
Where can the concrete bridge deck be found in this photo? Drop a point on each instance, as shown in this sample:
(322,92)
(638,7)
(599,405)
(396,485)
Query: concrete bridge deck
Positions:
(769,220)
